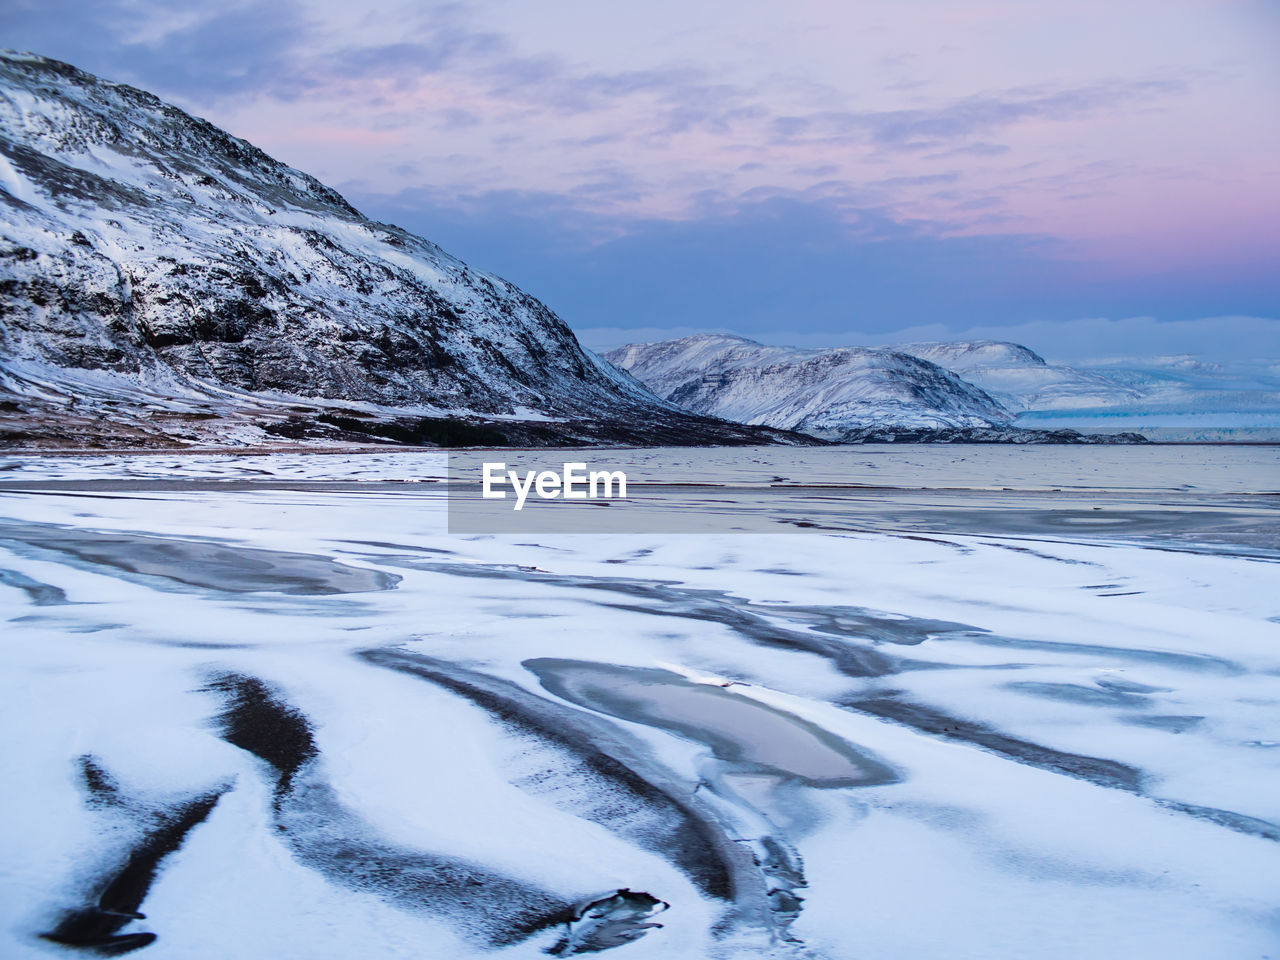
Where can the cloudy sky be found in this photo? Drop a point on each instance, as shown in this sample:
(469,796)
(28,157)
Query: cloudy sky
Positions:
(1089,176)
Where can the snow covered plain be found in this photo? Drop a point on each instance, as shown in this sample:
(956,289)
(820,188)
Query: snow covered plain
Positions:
(270,703)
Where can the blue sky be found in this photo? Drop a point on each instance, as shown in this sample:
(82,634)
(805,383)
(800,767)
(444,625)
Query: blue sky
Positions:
(1091,176)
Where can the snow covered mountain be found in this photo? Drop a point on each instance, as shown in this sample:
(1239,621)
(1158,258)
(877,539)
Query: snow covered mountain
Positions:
(833,394)
(1168,398)
(162,279)
(1020,378)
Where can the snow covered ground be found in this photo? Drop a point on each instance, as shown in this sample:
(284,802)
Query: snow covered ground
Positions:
(283,713)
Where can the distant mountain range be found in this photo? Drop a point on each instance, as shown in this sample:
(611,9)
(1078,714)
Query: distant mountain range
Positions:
(974,390)
(825,393)
(1163,397)
(1019,378)
(162,281)
(915,393)
(1173,398)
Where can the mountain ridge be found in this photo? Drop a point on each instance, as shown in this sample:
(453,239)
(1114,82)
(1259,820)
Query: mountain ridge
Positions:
(152,247)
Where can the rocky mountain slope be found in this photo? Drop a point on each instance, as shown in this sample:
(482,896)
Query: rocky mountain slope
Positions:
(832,394)
(162,280)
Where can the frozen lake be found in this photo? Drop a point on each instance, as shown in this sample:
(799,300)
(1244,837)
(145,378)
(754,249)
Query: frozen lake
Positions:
(1202,468)
(969,702)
